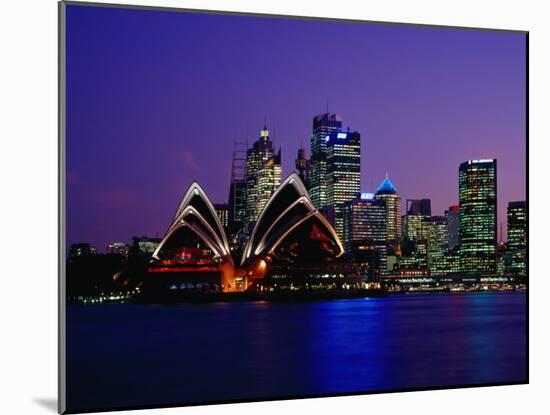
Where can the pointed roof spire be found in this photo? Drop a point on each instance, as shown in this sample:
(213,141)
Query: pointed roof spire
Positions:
(386,187)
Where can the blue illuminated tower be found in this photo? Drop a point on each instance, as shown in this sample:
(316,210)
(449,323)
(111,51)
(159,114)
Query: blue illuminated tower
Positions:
(387,193)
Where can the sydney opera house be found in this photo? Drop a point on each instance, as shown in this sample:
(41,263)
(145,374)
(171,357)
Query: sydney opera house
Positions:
(291,240)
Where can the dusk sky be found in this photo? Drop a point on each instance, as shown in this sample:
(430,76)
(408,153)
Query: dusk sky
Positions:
(155,99)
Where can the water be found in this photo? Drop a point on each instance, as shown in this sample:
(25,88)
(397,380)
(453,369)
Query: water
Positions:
(138,355)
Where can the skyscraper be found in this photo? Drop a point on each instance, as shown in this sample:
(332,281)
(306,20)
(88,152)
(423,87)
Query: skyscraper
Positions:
(263,174)
(303,166)
(453,219)
(414,231)
(269,178)
(365,232)
(437,242)
(388,194)
(517,224)
(478,216)
(515,257)
(343,172)
(323,126)
(421,207)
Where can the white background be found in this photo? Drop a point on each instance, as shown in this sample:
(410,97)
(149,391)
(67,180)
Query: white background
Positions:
(28,204)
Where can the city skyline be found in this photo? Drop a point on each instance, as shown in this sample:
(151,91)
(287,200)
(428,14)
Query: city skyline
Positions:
(150,153)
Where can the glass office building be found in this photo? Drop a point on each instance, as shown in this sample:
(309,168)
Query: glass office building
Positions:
(365,232)
(478,216)
(516,252)
(323,126)
(263,174)
(343,179)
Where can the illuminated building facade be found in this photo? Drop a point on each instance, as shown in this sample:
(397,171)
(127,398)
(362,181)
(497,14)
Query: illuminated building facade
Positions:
(269,178)
(414,248)
(323,126)
(147,245)
(515,257)
(517,224)
(449,263)
(222,210)
(387,193)
(343,173)
(263,174)
(452,216)
(437,240)
(119,248)
(410,261)
(478,216)
(413,227)
(364,219)
(365,232)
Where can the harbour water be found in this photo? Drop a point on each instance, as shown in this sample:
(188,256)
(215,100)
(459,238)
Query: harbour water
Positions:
(121,355)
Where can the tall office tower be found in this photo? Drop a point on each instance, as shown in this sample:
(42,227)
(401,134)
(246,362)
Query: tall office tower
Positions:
(414,242)
(303,165)
(343,178)
(437,242)
(414,235)
(478,216)
(323,126)
(421,207)
(263,174)
(222,210)
(269,179)
(453,219)
(515,258)
(388,194)
(413,221)
(517,224)
(365,232)
(237,187)
(413,228)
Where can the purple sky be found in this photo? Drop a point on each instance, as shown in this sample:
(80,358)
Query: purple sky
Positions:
(154,100)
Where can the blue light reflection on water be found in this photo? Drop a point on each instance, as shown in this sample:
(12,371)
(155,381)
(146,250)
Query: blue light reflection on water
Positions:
(126,354)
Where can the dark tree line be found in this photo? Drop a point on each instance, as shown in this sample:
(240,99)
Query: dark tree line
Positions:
(93,274)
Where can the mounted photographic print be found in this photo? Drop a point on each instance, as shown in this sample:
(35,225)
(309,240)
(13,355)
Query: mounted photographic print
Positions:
(260,207)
